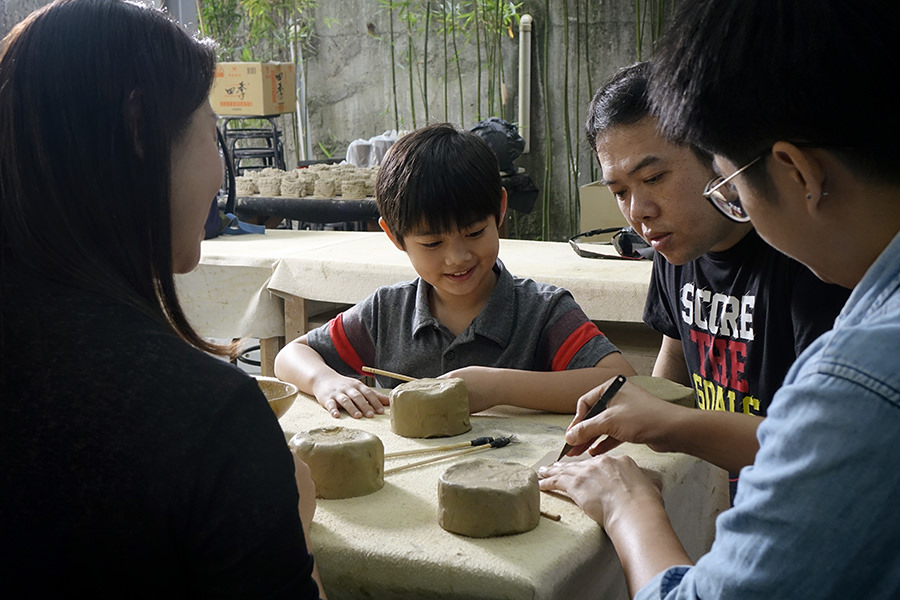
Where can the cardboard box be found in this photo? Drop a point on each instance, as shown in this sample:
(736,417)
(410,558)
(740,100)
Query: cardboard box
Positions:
(253,88)
(599,208)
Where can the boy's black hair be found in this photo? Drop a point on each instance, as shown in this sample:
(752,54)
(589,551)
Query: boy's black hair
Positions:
(437,179)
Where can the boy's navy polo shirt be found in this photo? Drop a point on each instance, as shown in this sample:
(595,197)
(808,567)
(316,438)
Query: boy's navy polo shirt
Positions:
(524,325)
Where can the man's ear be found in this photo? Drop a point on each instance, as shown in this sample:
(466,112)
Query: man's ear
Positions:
(503,200)
(803,169)
(384,227)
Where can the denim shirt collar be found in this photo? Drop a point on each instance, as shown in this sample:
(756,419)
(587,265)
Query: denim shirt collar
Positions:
(880,282)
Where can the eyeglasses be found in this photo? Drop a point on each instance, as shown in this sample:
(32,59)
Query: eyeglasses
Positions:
(628,244)
(724,196)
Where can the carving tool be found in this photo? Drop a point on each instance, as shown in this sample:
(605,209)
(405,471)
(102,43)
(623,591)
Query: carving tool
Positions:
(375,371)
(599,407)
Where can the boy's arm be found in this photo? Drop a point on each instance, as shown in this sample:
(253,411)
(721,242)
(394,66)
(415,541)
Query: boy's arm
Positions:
(301,365)
(552,391)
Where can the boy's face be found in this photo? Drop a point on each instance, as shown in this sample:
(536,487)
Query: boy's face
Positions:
(659,186)
(458,264)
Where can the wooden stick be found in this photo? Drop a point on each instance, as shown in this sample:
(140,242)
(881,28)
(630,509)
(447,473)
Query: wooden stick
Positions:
(496,443)
(475,442)
(435,459)
(375,371)
(427,450)
(551,516)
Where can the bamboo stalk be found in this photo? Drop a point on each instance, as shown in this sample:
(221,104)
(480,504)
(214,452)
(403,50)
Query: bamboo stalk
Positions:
(393,67)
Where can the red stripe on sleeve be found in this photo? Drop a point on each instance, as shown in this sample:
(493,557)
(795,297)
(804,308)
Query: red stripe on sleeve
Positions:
(343,346)
(573,344)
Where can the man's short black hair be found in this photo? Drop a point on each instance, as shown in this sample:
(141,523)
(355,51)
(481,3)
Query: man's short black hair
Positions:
(623,101)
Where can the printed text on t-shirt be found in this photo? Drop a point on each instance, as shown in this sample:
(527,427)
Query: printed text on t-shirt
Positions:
(721,326)
(719,314)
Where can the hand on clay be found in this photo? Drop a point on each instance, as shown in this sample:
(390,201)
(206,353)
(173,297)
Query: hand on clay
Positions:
(355,397)
(603,486)
(633,415)
(480,385)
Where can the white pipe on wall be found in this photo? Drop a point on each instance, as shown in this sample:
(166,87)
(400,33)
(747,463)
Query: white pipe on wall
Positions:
(302,143)
(525,24)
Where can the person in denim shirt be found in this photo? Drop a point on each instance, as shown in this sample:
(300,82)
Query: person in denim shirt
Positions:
(805,136)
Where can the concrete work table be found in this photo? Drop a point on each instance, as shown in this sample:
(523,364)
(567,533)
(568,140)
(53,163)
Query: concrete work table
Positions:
(389,544)
(267,286)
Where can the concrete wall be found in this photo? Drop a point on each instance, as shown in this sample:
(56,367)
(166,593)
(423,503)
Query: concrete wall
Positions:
(13,11)
(576,45)
(350,89)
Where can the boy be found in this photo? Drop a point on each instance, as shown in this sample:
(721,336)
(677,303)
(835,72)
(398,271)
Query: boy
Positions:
(512,340)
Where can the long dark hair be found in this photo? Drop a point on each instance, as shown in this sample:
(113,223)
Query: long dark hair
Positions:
(93,94)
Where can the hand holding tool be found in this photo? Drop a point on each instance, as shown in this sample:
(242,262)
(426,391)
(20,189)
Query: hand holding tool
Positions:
(600,406)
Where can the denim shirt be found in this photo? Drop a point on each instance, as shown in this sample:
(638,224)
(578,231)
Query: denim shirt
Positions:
(818,513)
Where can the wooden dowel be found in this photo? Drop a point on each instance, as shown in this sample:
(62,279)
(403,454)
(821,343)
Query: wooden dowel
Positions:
(551,516)
(375,371)
(427,450)
(435,459)
(476,442)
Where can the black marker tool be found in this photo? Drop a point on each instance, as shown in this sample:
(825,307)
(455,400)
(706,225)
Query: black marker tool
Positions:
(600,406)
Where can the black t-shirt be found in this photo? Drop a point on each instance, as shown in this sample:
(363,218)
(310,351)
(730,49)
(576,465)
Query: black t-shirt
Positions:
(743,316)
(133,465)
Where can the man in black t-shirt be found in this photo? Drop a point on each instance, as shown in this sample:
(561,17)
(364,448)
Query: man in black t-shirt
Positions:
(739,316)
(733,311)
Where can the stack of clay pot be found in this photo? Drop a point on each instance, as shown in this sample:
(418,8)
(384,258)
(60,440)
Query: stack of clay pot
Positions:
(269,182)
(291,185)
(317,181)
(245,186)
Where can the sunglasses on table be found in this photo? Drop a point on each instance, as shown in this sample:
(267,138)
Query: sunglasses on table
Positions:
(627,243)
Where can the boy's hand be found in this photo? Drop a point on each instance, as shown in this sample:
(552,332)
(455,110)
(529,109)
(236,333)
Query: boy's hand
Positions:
(480,384)
(355,397)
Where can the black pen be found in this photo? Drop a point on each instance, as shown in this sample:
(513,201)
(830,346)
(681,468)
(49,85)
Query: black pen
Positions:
(600,406)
